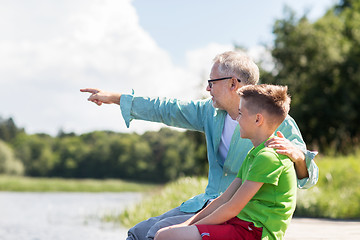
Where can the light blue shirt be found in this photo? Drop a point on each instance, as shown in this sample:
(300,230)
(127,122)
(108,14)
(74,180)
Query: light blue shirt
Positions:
(202,116)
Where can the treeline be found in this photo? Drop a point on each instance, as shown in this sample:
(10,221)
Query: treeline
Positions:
(319,61)
(153,156)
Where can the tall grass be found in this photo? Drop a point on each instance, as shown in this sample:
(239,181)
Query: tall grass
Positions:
(26,184)
(336,195)
(160,201)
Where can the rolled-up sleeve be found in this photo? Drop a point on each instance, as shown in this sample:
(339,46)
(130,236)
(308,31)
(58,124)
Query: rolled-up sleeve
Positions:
(172,112)
(125,107)
(291,131)
(313,171)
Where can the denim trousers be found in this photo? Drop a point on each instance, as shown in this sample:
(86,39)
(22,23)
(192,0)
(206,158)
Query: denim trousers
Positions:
(147,229)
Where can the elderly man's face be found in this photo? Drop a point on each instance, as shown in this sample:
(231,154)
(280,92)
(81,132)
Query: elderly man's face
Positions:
(222,91)
(218,89)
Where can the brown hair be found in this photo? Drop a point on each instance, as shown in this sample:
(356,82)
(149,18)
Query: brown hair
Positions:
(270,98)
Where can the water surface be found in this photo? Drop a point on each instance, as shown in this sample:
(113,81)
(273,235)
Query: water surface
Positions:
(61,216)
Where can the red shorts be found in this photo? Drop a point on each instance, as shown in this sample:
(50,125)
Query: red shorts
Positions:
(234,229)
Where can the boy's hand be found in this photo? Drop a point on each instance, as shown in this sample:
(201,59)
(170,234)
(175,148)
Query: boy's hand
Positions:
(184,224)
(285,147)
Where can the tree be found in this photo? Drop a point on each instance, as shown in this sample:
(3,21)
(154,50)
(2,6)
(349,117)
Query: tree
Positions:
(8,129)
(320,63)
(36,153)
(9,164)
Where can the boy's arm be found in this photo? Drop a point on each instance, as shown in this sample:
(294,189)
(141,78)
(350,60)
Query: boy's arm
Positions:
(233,206)
(223,198)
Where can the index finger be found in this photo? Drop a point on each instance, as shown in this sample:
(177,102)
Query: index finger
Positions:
(280,134)
(274,141)
(89,90)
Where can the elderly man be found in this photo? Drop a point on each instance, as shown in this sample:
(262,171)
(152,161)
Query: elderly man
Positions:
(216,118)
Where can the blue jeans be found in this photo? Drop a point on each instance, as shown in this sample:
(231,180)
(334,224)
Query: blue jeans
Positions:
(147,229)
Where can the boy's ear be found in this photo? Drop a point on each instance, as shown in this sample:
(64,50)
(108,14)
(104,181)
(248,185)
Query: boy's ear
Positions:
(259,120)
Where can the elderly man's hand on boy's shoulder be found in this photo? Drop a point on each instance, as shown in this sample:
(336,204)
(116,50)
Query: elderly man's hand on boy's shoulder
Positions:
(285,147)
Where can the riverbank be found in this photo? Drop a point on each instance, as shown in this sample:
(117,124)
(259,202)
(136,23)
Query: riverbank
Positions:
(71,216)
(335,196)
(30,184)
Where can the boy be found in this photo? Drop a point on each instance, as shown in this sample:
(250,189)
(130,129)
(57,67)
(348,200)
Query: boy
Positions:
(260,202)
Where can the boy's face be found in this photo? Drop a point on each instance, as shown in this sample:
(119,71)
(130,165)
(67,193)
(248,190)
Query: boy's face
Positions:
(246,120)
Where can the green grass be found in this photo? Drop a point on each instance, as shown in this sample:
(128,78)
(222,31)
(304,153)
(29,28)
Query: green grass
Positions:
(28,184)
(336,195)
(160,201)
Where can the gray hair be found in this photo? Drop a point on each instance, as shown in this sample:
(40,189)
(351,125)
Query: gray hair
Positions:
(238,64)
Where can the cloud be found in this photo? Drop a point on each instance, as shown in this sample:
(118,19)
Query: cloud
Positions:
(52,49)
(199,62)
(262,56)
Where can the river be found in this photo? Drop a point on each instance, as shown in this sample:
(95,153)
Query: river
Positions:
(76,216)
(61,216)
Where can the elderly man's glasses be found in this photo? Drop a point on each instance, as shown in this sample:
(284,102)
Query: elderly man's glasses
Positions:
(210,82)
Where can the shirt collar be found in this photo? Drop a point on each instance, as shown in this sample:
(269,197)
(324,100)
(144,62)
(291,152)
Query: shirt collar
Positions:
(254,151)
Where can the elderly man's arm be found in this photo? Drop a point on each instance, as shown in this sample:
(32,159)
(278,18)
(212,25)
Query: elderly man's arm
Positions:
(290,142)
(285,147)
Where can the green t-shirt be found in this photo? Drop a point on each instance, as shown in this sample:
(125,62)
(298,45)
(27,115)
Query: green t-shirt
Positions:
(274,204)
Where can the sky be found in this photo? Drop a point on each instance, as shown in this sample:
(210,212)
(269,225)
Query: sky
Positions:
(51,49)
